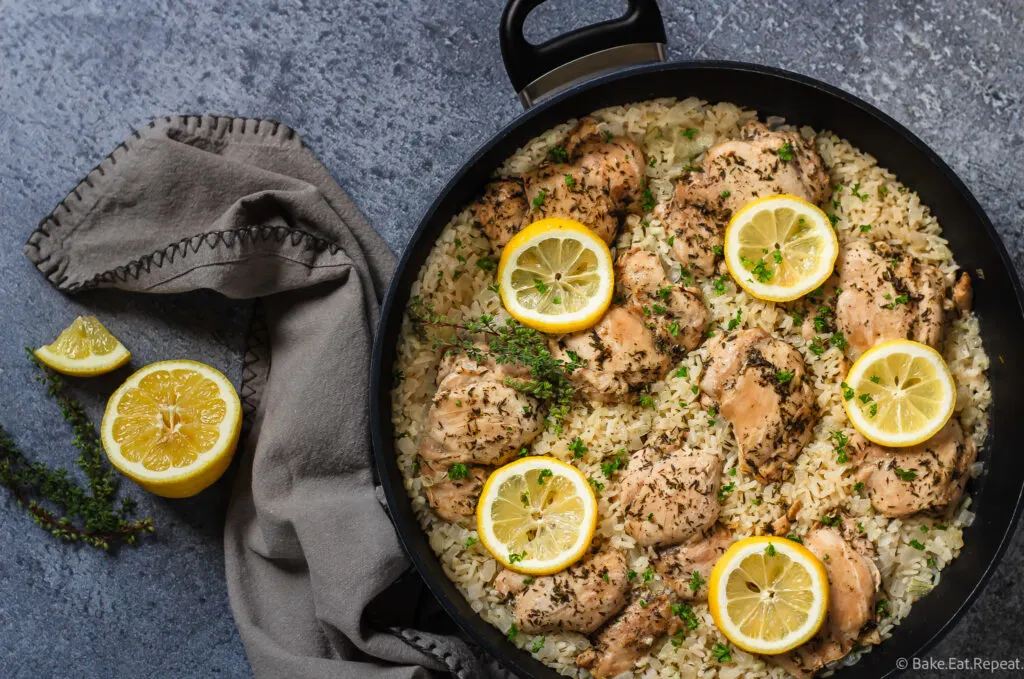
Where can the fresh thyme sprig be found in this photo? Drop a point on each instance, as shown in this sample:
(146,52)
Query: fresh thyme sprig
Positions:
(77,515)
(510,344)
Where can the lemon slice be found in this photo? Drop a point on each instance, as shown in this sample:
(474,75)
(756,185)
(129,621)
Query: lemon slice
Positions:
(768,594)
(536,515)
(780,247)
(899,393)
(84,348)
(172,427)
(556,276)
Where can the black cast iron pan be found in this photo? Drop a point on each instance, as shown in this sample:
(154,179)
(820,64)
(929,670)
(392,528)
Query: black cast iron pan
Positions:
(558,66)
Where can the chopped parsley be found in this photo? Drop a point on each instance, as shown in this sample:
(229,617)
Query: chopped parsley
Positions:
(858,487)
(785,152)
(865,398)
(598,486)
(735,321)
(816,347)
(862,196)
(458,471)
(696,581)
(541,286)
(611,466)
(761,271)
(689,133)
(685,613)
(712,412)
(577,447)
(904,474)
(652,162)
(726,193)
(673,328)
(882,608)
(783,376)
(875,378)
(717,250)
(726,489)
(647,401)
(721,651)
(544,474)
(516,558)
(647,200)
(777,256)
(834,219)
(917,545)
(831,520)
(570,182)
(864,228)
(770,550)
(683,372)
(470,541)
(795,538)
(558,154)
(720,285)
(486,263)
(847,391)
(756,501)
(538,644)
(883,191)
(649,573)
(838,340)
(538,200)
(631,574)
(513,632)
(840,439)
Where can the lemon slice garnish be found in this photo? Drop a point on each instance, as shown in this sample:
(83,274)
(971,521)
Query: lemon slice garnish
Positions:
(899,393)
(780,247)
(537,515)
(172,427)
(768,594)
(556,275)
(84,348)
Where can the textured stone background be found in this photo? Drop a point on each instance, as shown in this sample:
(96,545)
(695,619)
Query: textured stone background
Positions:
(393,96)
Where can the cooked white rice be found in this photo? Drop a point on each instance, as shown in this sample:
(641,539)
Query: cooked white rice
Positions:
(455,286)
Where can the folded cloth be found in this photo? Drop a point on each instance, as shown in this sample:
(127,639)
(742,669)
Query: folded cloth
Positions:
(244,208)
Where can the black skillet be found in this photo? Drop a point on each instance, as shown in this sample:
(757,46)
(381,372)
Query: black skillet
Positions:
(556,72)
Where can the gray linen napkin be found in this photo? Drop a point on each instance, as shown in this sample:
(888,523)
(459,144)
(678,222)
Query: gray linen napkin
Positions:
(244,208)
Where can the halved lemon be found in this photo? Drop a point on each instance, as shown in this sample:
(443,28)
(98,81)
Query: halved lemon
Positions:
(84,348)
(172,427)
(780,247)
(768,594)
(899,393)
(537,515)
(556,275)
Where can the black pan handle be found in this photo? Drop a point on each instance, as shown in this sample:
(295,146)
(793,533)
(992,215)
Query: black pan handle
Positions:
(536,71)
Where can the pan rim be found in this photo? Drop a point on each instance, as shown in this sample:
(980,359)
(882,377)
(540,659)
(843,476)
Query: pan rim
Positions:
(490,638)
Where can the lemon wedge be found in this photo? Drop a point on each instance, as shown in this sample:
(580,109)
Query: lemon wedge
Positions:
(83,349)
(556,276)
(780,247)
(768,594)
(536,515)
(172,427)
(899,393)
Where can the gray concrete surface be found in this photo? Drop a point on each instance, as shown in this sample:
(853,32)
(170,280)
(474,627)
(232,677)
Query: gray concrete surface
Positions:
(393,96)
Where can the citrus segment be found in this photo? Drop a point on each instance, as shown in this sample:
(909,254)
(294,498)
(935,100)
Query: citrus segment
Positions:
(537,515)
(768,595)
(84,348)
(899,393)
(172,427)
(780,247)
(556,276)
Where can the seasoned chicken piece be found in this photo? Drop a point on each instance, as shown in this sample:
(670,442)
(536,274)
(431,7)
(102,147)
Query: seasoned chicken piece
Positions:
(886,294)
(760,163)
(733,173)
(678,564)
(579,599)
(502,211)
(476,417)
(963,293)
(759,383)
(670,498)
(696,231)
(928,476)
(629,638)
(601,186)
(677,315)
(621,354)
(853,581)
(453,499)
